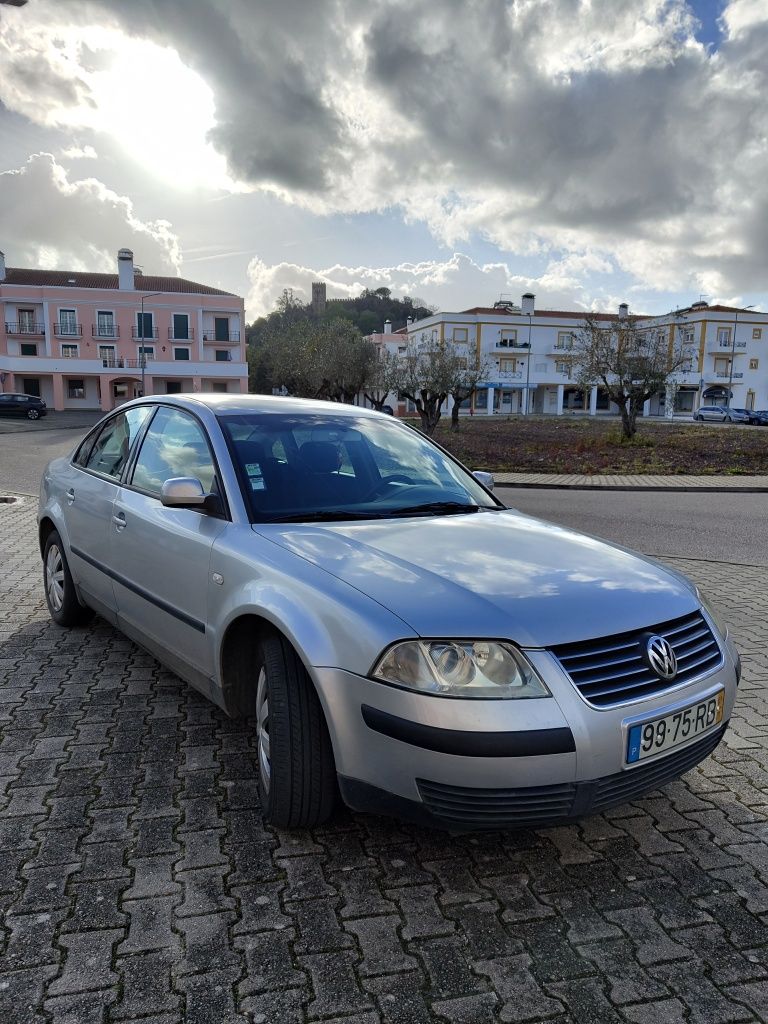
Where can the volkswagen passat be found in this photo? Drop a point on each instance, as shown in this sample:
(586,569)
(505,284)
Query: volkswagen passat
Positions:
(395,632)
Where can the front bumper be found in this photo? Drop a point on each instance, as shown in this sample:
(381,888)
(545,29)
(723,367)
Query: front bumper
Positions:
(489,764)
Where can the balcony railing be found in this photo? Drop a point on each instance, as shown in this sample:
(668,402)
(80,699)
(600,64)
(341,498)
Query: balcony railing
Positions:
(189,336)
(509,344)
(146,336)
(121,363)
(211,339)
(68,330)
(727,344)
(728,376)
(105,332)
(24,328)
(510,375)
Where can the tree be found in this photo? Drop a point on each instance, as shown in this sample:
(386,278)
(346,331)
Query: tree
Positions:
(430,370)
(383,379)
(630,363)
(468,371)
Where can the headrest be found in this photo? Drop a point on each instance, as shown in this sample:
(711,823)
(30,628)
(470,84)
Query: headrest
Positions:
(320,456)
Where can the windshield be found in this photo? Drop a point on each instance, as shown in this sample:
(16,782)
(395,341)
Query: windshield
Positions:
(325,466)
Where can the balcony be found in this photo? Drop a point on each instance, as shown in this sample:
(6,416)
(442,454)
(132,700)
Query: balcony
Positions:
(146,336)
(728,376)
(68,330)
(510,346)
(105,333)
(189,336)
(231,338)
(728,347)
(38,330)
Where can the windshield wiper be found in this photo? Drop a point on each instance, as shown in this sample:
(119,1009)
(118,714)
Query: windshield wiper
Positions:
(436,508)
(326,515)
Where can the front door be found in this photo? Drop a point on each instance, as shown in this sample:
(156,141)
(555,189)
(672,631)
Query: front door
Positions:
(161,556)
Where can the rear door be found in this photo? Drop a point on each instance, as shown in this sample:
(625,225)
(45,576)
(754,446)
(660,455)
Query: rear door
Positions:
(89,488)
(161,556)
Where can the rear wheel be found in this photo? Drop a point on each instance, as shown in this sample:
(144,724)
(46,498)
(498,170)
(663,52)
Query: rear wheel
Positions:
(297,777)
(33,414)
(60,594)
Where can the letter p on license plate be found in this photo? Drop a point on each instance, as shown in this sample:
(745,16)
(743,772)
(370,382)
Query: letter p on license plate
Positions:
(658,735)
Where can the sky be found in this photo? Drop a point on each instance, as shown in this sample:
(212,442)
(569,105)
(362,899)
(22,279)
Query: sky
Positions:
(458,151)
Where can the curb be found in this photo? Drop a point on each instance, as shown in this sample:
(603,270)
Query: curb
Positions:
(672,488)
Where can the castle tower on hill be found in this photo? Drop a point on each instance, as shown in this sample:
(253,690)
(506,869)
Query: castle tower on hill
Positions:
(318,298)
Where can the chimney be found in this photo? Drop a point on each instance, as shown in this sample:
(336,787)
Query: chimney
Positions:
(125,270)
(623,311)
(527,305)
(387,326)
(409,321)
(2,266)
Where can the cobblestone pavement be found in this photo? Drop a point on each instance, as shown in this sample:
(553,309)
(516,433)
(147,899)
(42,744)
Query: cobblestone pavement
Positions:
(137,880)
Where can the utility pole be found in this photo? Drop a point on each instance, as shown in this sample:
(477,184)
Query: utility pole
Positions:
(733,355)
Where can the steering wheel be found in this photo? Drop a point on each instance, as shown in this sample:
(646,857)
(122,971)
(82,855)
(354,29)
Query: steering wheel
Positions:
(396,478)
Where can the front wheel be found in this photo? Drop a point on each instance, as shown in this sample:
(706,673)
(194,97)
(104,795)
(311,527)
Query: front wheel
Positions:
(60,594)
(32,414)
(297,777)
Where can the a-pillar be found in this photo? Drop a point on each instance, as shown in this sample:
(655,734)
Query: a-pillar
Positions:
(647,408)
(560,398)
(58,391)
(489,402)
(593,402)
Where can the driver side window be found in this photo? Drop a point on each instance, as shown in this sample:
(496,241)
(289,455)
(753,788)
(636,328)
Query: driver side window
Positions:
(175,445)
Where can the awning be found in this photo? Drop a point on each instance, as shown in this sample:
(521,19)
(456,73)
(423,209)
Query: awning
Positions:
(717,391)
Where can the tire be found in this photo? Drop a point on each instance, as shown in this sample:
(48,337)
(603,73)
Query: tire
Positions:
(297,775)
(33,414)
(60,593)
(698,417)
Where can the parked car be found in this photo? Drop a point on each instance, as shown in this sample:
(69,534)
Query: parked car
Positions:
(738,415)
(759,417)
(398,635)
(13,404)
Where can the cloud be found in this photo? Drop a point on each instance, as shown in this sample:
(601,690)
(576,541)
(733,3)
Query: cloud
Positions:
(453,284)
(49,221)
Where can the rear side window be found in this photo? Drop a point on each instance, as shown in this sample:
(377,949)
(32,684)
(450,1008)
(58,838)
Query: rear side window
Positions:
(109,453)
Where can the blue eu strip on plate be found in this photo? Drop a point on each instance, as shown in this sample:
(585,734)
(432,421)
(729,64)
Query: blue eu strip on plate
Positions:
(633,746)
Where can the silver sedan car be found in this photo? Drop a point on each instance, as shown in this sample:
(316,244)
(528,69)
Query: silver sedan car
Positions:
(398,636)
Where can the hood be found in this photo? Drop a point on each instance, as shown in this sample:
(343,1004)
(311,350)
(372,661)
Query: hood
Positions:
(493,574)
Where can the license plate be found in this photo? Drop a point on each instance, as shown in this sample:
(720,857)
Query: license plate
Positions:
(661,734)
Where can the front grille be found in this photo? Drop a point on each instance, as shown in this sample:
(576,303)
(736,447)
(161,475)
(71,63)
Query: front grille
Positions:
(461,806)
(611,670)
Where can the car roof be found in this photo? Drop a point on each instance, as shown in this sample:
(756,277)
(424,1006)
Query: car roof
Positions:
(221,403)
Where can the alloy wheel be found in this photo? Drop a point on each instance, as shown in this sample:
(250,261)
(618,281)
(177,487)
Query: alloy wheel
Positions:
(262,729)
(54,577)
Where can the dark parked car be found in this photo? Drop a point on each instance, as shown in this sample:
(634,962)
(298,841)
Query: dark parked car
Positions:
(759,417)
(22,405)
(738,415)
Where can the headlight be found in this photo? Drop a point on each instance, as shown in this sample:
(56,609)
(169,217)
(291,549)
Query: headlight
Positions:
(461,668)
(720,626)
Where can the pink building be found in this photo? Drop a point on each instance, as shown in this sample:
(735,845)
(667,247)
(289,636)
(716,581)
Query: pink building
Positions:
(79,340)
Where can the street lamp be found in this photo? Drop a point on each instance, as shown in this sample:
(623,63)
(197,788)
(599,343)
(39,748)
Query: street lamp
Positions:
(733,354)
(142,360)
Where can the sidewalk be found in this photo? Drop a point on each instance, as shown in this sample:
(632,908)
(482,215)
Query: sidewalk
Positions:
(69,419)
(564,481)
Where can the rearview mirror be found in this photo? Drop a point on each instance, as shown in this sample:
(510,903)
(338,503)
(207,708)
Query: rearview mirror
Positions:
(183,492)
(486,479)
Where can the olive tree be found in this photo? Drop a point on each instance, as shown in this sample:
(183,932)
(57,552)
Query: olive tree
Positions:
(630,362)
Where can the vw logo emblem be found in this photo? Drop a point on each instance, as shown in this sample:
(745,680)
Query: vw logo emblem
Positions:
(661,657)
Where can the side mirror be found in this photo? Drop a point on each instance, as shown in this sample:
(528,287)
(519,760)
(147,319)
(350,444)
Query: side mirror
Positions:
(183,492)
(486,479)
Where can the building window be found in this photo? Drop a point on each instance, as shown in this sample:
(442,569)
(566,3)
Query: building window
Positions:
(223,355)
(145,328)
(28,349)
(75,388)
(105,324)
(107,355)
(722,366)
(508,365)
(687,334)
(540,367)
(181,326)
(67,321)
(563,366)
(564,340)
(460,334)
(173,387)
(181,353)
(508,339)
(148,351)
(221,328)
(723,336)
(69,352)
(31,386)
(757,333)
(753,363)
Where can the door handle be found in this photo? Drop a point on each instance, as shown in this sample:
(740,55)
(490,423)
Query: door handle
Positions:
(70,495)
(119,521)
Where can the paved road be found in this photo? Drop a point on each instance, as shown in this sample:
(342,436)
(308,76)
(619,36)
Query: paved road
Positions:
(719,527)
(24,455)
(137,880)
